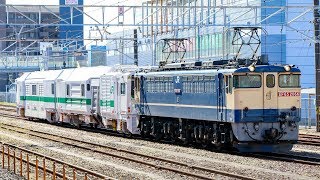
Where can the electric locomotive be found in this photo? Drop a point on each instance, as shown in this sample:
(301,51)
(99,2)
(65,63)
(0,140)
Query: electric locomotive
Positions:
(252,109)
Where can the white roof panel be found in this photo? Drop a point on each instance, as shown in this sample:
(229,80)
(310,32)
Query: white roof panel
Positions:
(86,73)
(65,74)
(43,75)
(23,77)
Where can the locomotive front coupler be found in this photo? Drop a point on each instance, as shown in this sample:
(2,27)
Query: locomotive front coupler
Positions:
(271,134)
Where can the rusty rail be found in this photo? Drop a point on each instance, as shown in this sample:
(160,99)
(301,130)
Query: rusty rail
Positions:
(28,159)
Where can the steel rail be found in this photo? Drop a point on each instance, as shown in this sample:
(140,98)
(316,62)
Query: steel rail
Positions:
(191,174)
(288,158)
(308,139)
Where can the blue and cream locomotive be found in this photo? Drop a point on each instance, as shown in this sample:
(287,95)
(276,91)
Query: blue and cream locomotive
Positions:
(254,108)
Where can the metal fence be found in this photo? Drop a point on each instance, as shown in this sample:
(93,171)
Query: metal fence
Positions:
(9,97)
(308,112)
(33,165)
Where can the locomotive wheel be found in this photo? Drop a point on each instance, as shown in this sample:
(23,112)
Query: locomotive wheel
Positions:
(185,141)
(157,136)
(205,144)
(128,135)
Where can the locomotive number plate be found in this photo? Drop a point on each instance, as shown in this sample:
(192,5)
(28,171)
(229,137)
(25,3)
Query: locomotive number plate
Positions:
(288,93)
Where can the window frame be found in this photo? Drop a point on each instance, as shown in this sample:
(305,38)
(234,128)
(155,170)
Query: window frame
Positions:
(52,88)
(88,87)
(274,81)
(82,90)
(68,89)
(230,86)
(299,81)
(132,87)
(34,89)
(122,88)
(237,87)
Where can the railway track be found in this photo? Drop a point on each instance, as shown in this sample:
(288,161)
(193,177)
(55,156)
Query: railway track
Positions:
(7,108)
(308,139)
(151,161)
(288,158)
(170,165)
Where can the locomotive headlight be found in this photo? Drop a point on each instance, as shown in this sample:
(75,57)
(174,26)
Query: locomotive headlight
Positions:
(287,67)
(251,68)
(256,126)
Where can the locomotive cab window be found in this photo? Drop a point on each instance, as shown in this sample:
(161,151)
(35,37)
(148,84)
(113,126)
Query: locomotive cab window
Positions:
(270,81)
(230,84)
(289,80)
(247,81)
(227,83)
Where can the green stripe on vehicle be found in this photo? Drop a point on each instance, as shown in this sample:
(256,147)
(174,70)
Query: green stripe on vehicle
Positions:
(81,101)
(107,103)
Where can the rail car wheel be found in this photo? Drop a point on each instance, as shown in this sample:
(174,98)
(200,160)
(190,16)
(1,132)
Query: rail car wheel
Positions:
(185,141)
(157,136)
(218,146)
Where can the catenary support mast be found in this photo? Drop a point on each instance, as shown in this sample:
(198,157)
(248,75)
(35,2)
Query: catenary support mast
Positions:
(317,60)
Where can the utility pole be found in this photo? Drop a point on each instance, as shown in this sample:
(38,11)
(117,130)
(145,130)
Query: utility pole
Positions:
(317,59)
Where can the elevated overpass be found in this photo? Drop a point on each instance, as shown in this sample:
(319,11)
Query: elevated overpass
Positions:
(12,64)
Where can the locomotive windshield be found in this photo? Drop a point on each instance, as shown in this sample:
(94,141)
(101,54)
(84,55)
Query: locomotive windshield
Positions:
(247,81)
(289,80)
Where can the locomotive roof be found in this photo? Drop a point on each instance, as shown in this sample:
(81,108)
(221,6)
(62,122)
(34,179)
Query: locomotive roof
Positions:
(267,68)
(190,72)
(258,68)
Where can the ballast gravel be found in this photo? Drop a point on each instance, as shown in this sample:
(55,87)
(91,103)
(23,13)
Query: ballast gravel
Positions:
(7,175)
(246,166)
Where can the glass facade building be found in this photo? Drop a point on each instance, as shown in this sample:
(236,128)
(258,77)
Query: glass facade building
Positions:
(208,32)
(72,34)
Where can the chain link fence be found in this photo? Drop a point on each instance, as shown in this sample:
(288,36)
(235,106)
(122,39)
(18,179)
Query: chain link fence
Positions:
(308,111)
(9,97)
